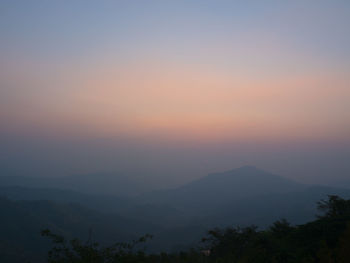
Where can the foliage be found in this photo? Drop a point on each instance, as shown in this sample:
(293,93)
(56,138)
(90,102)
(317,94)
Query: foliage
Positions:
(326,239)
(323,240)
(334,207)
(76,251)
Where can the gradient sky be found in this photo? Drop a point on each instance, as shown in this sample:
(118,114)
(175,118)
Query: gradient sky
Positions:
(201,85)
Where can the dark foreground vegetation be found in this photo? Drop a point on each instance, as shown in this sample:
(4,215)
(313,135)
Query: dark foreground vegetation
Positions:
(327,239)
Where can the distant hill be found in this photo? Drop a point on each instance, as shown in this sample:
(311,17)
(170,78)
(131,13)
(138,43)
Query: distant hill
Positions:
(243,196)
(221,188)
(105,203)
(22,221)
(239,196)
(177,217)
(97,183)
(341,183)
(156,213)
(298,207)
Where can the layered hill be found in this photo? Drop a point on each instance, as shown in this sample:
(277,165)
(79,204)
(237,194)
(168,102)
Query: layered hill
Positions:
(177,217)
(22,221)
(219,189)
(97,183)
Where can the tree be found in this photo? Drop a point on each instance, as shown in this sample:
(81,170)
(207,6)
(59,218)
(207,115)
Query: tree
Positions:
(281,228)
(334,207)
(75,251)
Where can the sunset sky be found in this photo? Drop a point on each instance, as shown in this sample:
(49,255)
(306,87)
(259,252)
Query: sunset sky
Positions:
(176,76)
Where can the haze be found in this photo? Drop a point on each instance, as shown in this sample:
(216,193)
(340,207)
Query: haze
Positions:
(166,92)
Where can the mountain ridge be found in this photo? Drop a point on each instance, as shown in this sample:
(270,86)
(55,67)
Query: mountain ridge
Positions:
(217,188)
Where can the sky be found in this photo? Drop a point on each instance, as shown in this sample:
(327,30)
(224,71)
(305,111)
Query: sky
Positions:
(172,90)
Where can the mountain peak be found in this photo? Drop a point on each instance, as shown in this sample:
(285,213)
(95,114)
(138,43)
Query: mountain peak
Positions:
(247,168)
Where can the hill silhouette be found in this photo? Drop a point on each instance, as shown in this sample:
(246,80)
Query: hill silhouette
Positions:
(242,196)
(94,183)
(218,189)
(21,221)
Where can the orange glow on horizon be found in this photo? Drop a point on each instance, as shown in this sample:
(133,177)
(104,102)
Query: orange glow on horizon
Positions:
(193,102)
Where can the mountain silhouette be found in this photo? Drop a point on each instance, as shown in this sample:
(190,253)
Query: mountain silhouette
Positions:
(93,183)
(218,189)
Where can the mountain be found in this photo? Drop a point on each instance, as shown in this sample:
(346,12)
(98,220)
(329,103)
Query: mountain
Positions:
(243,196)
(97,183)
(154,213)
(22,221)
(298,207)
(104,203)
(345,183)
(240,196)
(177,217)
(219,189)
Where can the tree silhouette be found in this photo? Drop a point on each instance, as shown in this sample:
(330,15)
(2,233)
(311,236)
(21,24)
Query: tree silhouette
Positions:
(327,239)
